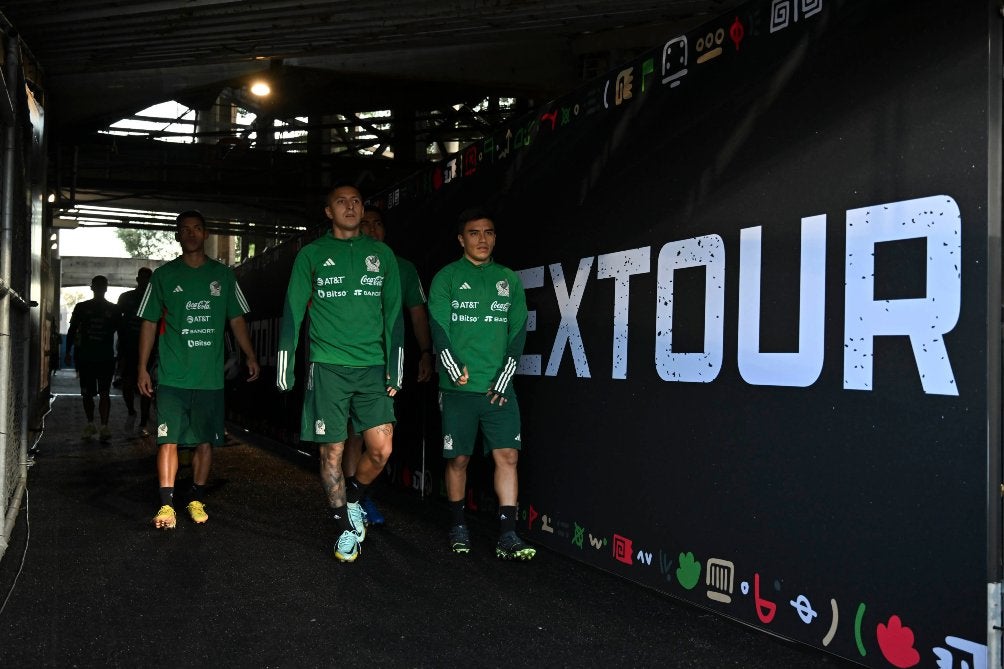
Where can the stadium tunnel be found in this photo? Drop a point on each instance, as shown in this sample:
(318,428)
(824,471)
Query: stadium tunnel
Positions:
(678,185)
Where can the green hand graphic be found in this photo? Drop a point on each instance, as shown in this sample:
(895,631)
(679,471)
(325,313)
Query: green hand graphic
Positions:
(689,571)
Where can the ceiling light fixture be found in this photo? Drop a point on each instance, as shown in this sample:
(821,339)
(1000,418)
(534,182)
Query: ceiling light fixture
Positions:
(260,88)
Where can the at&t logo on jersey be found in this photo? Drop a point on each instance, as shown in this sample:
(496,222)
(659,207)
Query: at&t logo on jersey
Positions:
(215,288)
(373,264)
(503,288)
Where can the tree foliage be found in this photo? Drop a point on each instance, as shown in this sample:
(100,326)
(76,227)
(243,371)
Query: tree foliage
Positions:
(156,244)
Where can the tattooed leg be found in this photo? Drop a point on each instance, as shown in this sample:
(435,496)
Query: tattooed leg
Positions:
(331,473)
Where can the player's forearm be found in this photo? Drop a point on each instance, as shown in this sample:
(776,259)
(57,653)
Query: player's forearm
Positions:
(420,326)
(147,333)
(240,330)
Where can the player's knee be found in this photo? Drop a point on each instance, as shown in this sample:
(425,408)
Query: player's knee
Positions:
(506,457)
(458,463)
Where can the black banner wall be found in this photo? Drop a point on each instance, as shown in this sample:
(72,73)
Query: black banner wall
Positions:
(756,374)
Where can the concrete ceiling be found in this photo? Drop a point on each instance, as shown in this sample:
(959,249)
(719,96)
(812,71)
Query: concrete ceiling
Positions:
(93,62)
(105,59)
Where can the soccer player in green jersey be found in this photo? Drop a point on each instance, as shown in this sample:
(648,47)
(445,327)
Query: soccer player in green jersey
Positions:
(194,297)
(351,286)
(413,301)
(478,313)
(92,332)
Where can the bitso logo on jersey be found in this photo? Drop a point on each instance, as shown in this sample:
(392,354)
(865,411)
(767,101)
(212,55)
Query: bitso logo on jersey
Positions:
(373,264)
(503,288)
(215,288)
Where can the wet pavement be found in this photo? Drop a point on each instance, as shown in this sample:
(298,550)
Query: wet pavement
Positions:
(258,586)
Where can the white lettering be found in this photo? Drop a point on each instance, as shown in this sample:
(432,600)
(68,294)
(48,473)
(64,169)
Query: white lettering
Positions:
(803,367)
(201,304)
(568,329)
(620,266)
(371,280)
(925,319)
(702,367)
(530,364)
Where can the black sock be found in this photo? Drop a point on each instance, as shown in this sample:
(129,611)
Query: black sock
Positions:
(198,492)
(457,512)
(507,518)
(341,516)
(354,490)
(167,496)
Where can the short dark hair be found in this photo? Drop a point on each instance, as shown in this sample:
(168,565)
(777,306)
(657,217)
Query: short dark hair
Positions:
(472,214)
(191,213)
(341,183)
(99,280)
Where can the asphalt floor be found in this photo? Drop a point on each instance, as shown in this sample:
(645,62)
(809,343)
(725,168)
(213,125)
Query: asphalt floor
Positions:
(88,582)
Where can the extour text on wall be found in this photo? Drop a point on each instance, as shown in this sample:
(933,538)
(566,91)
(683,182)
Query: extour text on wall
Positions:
(924,320)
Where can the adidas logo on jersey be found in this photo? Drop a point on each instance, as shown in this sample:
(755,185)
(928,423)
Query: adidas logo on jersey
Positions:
(465,286)
(329,263)
(177,289)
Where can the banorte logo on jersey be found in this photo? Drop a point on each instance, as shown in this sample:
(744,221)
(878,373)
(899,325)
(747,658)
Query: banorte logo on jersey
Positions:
(373,264)
(215,288)
(503,288)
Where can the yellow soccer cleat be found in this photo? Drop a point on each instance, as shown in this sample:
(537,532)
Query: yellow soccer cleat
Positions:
(197,511)
(165,518)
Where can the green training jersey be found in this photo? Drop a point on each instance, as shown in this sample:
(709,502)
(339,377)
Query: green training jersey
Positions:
(478,320)
(411,286)
(352,290)
(196,303)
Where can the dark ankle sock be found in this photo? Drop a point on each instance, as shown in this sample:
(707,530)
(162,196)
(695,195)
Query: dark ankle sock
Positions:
(457,512)
(507,518)
(341,516)
(198,492)
(167,496)
(354,490)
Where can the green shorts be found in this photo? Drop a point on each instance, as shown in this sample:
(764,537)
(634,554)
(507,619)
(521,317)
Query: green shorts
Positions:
(464,412)
(335,394)
(189,417)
